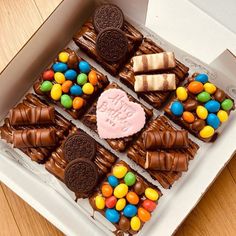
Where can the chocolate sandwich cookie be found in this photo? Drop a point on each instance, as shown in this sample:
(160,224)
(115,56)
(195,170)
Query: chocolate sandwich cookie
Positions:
(81,175)
(79,145)
(108,15)
(112,44)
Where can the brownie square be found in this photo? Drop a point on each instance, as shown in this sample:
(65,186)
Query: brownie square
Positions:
(39,154)
(102,82)
(137,152)
(86,37)
(89,119)
(157,98)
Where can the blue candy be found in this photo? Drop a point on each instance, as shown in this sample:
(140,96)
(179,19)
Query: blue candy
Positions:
(130,210)
(112,215)
(113,181)
(203,78)
(213,120)
(70,74)
(212,106)
(84,67)
(177,108)
(76,90)
(59,67)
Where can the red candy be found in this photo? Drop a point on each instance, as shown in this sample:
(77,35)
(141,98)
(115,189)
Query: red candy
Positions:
(48,75)
(111,202)
(149,205)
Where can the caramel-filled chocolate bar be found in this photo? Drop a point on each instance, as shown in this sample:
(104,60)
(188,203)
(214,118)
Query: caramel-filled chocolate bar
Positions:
(157,98)
(137,152)
(120,144)
(61,126)
(167,161)
(165,139)
(86,37)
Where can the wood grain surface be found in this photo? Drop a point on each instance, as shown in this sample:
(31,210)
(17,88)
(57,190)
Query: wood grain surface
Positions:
(214,215)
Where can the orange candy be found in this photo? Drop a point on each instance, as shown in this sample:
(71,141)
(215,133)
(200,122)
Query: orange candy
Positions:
(107,190)
(78,102)
(195,87)
(66,86)
(92,76)
(132,198)
(188,117)
(143,214)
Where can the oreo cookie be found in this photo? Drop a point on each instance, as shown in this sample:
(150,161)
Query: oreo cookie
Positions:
(79,145)
(81,176)
(108,15)
(112,44)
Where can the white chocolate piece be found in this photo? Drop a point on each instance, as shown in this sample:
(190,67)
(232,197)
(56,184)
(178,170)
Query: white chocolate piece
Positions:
(152,62)
(160,82)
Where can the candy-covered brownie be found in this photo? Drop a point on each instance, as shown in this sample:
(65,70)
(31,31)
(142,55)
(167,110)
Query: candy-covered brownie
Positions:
(71,82)
(35,128)
(118,144)
(171,67)
(163,151)
(200,107)
(126,199)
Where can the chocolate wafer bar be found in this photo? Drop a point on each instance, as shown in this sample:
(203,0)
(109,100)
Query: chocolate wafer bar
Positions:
(157,98)
(120,144)
(137,152)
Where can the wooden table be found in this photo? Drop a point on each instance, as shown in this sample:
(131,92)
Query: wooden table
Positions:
(214,215)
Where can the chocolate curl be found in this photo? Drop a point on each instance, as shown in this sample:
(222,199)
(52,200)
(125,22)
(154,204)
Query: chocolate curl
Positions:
(32,115)
(160,82)
(167,161)
(152,62)
(34,138)
(165,139)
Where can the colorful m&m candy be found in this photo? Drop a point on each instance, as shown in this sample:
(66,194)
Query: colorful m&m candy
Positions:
(177,108)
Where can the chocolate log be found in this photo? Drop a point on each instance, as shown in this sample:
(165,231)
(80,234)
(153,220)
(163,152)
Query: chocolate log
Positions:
(34,138)
(32,115)
(165,139)
(152,62)
(160,82)
(165,161)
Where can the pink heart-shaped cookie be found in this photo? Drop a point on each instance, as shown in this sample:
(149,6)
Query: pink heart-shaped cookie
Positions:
(117,117)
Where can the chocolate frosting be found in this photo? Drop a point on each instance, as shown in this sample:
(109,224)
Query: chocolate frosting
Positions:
(166,161)
(165,139)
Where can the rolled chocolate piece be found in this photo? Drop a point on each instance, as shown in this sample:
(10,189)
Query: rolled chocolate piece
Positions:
(152,62)
(165,161)
(23,115)
(165,139)
(34,138)
(160,82)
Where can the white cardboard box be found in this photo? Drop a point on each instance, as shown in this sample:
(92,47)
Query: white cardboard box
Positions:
(46,194)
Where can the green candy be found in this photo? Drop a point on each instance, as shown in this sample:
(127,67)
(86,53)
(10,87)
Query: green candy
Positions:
(82,79)
(46,86)
(203,97)
(227,104)
(66,101)
(130,179)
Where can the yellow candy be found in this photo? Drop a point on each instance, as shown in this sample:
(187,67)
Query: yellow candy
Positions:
(181,93)
(120,205)
(209,88)
(88,88)
(120,190)
(56,92)
(222,115)
(63,57)
(119,171)
(59,77)
(202,112)
(135,223)
(151,194)
(100,202)
(207,132)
